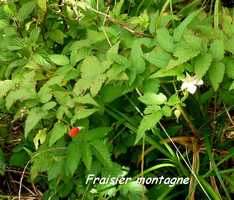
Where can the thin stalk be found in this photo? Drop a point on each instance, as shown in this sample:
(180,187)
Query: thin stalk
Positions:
(216,14)
(191,170)
(195,168)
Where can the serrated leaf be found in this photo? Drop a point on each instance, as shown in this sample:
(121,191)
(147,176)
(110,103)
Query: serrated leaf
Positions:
(153,99)
(3,24)
(49,105)
(81,86)
(5,86)
(136,57)
(158,57)
(57,36)
(179,30)
(117,8)
(112,92)
(194,41)
(58,131)
(73,156)
(33,118)
(97,84)
(229,45)
(84,113)
(229,68)
(183,53)
(56,169)
(42,4)
(165,40)
(59,59)
(133,190)
(44,94)
(21,94)
(217,50)
(202,64)
(167,111)
(25,10)
(102,153)
(97,133)
(231,86)
(34,35)
(87,99)
(148,122)
(91,68)
(86,154)
(78,55)
(151,86)
(216,74)
(176,71)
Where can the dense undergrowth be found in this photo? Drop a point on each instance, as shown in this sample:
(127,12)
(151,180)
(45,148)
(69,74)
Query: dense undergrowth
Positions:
(150,82)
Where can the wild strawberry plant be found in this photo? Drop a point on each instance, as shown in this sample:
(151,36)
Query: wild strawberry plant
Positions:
(151,83)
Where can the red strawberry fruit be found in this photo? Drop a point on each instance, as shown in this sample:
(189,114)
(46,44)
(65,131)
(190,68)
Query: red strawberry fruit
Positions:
(74,131)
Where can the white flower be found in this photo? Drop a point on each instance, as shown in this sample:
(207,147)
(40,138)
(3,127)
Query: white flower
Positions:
(190,83)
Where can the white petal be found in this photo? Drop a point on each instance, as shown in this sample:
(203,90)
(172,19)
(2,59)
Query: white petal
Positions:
(184,85)
(192,89)
(199,82)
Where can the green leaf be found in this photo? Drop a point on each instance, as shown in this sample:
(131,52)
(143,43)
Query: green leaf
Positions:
(133,190)
(202,64)
(86,154)
(179,30)
(165,40)
(229,68)
(158,57)
(97,133)
(81,86)
(216,74)
(167,111)
(153,99)
(194,41)
(231,86)
(87,99)
(42,4)
(102,153)
(33,118)
(229,45)
(56,169)
(78,55)
(217,50)
(49,105)
(3,24)
(176,71)
(138,63)
(112,92)
(34,35)
(84,113)
(57,36)
(73,156)
(97,84)
(183,52)
(148,122)
(25,10)
(151,86)
(5,86)
(91,68)
(41,163)
(59,59)
(117,8)
(58,131)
